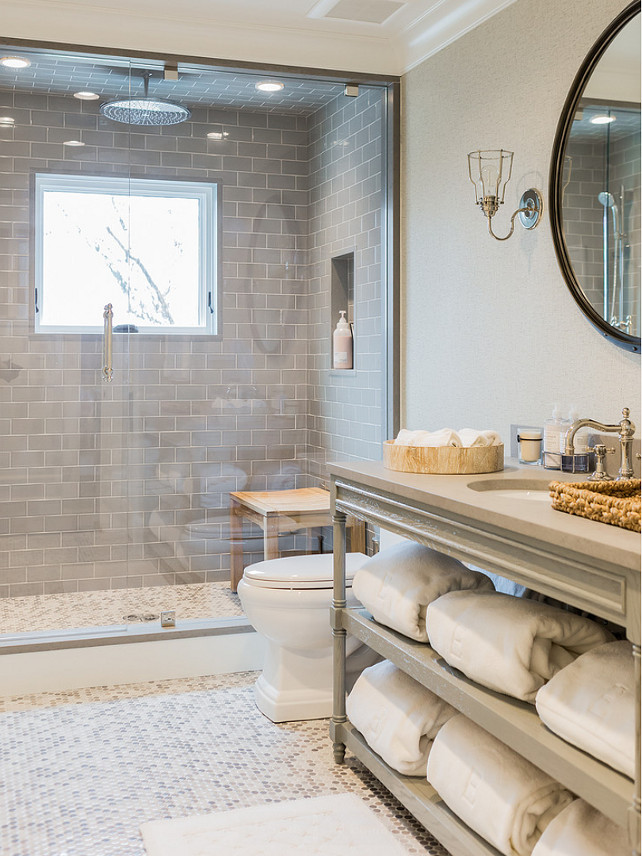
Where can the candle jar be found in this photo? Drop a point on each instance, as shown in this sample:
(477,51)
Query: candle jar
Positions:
(530,446)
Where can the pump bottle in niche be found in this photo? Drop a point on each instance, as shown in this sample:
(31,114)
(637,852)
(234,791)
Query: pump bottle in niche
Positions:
(342,344)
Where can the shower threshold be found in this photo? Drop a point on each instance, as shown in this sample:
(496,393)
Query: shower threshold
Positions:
(70,657)
(115,609)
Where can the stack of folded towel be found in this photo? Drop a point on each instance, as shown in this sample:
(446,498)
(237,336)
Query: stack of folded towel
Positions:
(465,437)
(398,583)
(500,795)
(509,644)
(398,717)
(591,704)
(581,830)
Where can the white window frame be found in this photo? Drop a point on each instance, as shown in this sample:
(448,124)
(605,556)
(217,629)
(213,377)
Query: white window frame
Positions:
(208,278)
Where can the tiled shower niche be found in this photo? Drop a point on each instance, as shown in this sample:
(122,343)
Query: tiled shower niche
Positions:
(124,485)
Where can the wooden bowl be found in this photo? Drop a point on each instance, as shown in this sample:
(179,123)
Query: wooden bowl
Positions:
(446,460)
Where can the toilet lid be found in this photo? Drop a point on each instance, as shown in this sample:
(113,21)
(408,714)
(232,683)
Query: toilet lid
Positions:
(300,572)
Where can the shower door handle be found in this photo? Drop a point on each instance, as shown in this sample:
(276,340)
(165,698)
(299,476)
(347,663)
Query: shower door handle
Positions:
(108,317)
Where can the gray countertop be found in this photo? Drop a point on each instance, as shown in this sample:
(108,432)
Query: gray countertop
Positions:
(467,497)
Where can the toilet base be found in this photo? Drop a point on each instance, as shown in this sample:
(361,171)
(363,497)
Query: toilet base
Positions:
(295,684)
(291,705)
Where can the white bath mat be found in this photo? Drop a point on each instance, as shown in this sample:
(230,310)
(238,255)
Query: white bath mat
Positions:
(342,825)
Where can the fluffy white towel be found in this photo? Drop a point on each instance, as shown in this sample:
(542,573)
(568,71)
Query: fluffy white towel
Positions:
(398,717)
(470,437)
(499,794)
(398,583)
(591,703)
(581,830)
(510,644)
(443,437)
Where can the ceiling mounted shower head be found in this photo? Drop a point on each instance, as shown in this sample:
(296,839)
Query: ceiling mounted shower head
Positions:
(144,110)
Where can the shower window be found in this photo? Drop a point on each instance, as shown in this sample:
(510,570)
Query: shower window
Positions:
(146,246)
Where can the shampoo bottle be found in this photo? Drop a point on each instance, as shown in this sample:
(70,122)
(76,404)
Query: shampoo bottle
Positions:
(554,429)
(342,344)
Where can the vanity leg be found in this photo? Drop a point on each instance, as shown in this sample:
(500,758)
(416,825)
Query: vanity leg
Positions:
(338,633)
(634,811)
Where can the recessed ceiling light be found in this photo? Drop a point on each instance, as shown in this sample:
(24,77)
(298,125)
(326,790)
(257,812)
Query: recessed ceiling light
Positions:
(269,86)
(86,96)
(602,120)
(7,121)
(73,143)
(15,62)
(217,135)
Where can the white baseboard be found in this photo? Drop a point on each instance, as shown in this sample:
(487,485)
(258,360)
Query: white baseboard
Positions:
(111,665)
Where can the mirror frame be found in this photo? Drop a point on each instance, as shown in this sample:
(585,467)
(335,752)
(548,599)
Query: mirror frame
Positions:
(619,337)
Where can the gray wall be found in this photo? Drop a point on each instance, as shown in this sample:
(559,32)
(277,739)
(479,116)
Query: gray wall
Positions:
(583,217)
(491,333)
(110,485)
(345,216)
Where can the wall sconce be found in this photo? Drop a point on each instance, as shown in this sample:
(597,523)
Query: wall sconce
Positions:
(490,172)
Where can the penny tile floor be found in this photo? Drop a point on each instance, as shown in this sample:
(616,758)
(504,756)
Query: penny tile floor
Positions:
(104,608)
(81,770)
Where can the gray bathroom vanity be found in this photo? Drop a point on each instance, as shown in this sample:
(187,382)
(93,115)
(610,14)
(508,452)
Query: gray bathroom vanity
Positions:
(503,523)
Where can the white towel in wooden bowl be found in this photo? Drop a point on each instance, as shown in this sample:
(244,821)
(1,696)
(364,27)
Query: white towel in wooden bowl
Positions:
(398,717)
(509,644)
(502,796)
(398,583)
(591,703)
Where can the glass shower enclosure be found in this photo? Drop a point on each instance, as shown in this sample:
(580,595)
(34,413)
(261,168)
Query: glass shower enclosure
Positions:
(167,233)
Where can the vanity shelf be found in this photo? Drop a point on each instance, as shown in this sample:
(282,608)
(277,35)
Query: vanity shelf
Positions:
(420,799)
(516,722)
(584,563)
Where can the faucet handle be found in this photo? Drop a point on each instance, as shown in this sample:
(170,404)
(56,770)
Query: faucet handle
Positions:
(600,473)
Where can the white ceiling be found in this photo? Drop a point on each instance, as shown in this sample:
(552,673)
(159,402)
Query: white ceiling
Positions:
(371,36)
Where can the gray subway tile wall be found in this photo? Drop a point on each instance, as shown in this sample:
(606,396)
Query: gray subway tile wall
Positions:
(109,486)
(596,167)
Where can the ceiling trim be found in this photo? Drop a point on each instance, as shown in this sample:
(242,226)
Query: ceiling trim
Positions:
(443,24)
(385,52)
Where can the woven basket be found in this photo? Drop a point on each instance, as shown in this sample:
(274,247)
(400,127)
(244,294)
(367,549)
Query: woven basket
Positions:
(616,502)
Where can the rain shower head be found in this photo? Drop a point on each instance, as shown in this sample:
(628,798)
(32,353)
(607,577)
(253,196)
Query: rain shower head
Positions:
(144,110)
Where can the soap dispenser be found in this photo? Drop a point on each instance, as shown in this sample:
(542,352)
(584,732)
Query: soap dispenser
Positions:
(342,344)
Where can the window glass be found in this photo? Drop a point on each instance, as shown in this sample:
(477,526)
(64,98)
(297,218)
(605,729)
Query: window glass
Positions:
(144,245)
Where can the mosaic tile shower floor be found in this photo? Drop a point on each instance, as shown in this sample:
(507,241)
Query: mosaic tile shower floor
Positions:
(82,770)
(104,608)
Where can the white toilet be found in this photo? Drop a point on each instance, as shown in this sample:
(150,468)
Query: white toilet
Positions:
(288,602)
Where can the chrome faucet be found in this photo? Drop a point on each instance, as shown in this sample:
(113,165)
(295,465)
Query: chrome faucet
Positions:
(625,429)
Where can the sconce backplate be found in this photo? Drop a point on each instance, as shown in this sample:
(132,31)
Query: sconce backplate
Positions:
(531,199)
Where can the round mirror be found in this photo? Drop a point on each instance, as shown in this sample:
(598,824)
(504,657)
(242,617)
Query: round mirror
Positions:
(595,183)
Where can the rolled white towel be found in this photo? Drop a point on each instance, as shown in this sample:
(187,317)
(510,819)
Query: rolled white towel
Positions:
(399,582)
(443,437)
(470,437)
(591,703)
(499,794)
(581,830)
(398,717)
(509,644)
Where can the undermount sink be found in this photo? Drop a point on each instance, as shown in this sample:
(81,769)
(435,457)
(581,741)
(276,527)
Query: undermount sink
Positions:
(534,490)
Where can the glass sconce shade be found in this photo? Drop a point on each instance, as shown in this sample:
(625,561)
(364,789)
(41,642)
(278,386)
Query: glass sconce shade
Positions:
(490,172)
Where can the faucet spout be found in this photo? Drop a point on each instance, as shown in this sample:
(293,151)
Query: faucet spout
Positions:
(625,429)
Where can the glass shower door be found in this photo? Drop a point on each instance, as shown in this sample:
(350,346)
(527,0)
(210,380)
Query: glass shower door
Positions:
(64,547)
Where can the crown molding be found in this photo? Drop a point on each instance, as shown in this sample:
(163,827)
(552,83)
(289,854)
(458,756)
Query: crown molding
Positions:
(373,51)
(445,22)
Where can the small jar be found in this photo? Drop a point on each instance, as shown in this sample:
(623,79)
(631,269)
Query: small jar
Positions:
(530,446)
